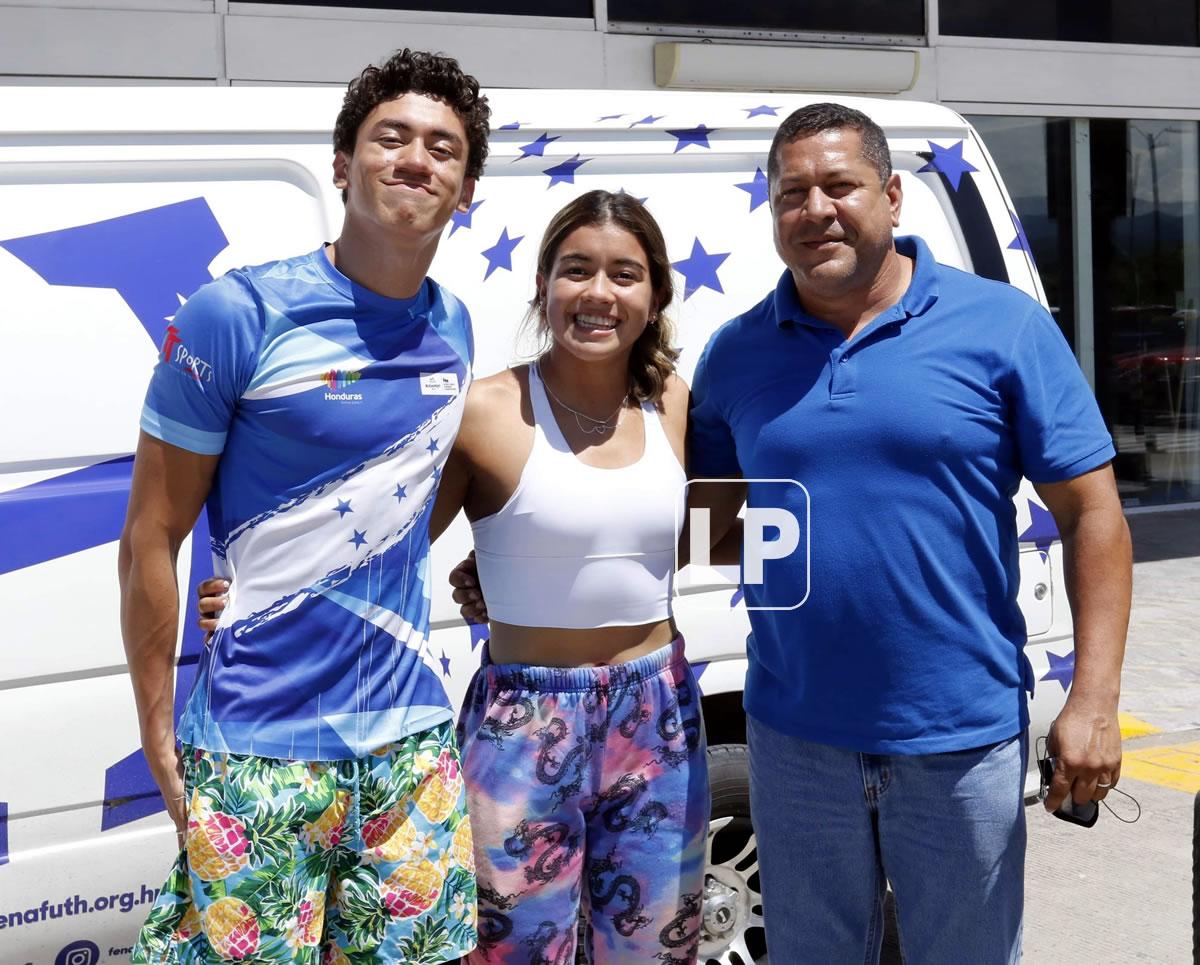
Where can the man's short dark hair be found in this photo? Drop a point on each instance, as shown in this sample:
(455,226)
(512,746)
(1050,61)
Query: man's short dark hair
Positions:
(417,72)
(816,118)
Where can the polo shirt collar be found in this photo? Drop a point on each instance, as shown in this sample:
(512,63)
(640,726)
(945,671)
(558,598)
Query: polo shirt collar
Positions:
(922,290)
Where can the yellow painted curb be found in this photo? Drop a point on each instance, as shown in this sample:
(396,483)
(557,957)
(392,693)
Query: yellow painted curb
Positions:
(1175,767)
(1133,727)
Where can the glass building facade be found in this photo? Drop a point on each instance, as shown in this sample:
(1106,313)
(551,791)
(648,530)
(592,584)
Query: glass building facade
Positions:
(1141,282)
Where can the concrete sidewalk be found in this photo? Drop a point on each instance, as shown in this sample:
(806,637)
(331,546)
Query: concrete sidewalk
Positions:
(1122,893)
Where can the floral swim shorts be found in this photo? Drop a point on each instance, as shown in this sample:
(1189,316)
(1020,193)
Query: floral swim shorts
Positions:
(363,861)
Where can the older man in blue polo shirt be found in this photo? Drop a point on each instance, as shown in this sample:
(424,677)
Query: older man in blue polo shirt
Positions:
(887,714)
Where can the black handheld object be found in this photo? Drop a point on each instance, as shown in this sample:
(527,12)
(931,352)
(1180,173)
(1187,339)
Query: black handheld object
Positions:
(1084,815)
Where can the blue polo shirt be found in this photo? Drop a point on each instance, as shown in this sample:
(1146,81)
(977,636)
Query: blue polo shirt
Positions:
(910,441)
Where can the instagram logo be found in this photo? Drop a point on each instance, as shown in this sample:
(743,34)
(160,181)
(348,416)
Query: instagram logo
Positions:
(80,952)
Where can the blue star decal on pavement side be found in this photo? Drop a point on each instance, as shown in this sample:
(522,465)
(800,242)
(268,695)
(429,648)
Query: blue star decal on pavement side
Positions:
(1020,242)
(342,508)
(358,539)
(564,173)
(699,270)
(760,111)
(445,662)
(536,148)
(400,492)
(500,254)
(1041,531)
(693,135)
(948,161)
(462,219)
(757,189)
(649,119)
(1061,669)
(432,447)
(610,117)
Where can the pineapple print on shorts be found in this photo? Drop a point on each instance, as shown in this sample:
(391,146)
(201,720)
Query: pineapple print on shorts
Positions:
(360,861)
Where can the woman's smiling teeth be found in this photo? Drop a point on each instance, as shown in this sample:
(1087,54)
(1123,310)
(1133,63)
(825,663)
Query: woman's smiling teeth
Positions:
(596,323)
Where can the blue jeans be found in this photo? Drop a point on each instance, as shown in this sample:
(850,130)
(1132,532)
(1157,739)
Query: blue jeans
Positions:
(834,826)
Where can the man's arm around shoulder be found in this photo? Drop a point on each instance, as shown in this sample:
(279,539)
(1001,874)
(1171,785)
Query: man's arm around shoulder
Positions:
(169,488)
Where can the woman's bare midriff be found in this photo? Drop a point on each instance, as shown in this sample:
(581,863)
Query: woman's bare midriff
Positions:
(558,647)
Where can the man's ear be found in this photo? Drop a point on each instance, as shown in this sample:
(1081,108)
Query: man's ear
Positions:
(895,196)
(341,163)
(468,192)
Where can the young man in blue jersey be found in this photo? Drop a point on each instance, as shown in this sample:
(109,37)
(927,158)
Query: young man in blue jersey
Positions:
(311,403)
(886,716)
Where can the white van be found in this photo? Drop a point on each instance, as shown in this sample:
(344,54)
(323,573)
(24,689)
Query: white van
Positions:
(116,204)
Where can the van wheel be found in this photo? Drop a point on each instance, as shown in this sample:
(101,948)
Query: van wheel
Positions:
(731,931)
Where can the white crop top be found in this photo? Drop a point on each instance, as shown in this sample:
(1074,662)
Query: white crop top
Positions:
(578,546)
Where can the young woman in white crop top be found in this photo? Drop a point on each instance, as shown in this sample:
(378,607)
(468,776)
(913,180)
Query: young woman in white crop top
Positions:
(581,734)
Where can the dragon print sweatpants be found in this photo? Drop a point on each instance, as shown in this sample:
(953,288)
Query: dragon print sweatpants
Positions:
(588,794)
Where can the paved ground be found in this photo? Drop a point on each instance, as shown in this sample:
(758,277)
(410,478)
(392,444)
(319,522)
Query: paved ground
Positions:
(1122,893)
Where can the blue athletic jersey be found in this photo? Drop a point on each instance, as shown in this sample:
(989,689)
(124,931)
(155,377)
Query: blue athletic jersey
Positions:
(911,440)
(333,410)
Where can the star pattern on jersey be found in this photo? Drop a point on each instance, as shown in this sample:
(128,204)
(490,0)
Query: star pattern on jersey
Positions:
(537,148)
(358,539)
(1062,669)
(948,161)
(342,508)
(564,172)
(699,270)
(500,254)
(401,492)
(649,119)
(757,189)
(697,136)
(462,219)
(761,111)
(1020,242)
(432,447)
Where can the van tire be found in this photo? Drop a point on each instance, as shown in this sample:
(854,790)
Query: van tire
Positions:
(732,931)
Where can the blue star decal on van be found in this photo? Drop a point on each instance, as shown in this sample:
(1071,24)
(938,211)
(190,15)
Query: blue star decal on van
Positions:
(610,117)
(1020,242)
(536,148)
(699,270)
(510,126)
(948,161)
(693,135)
(1061,669)
(761,111)
(500,254)
(564,173)
(756,188)
(1041,531)
(649,119)
(462,219)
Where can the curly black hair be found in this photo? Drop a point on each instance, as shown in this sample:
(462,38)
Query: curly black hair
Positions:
(417,72)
